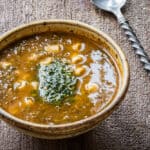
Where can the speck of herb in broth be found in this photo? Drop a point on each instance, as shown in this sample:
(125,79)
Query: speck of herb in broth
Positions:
(57,82)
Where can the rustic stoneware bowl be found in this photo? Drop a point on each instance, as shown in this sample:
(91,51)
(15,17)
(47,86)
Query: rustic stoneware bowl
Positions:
(78,127)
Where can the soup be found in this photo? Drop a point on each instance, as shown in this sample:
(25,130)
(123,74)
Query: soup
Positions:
(56,78)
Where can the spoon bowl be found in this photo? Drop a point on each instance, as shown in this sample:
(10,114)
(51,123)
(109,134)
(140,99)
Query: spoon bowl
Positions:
(109,5)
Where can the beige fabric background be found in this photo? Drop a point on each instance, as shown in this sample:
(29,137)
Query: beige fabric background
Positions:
(128,128)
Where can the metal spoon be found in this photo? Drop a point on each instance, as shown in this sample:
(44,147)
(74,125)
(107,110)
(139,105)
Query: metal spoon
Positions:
(114,6)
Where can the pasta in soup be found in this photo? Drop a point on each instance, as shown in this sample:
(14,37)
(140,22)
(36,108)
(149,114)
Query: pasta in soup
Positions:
(56,78)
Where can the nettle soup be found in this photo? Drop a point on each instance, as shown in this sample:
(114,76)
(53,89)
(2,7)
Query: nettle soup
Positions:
(55,78)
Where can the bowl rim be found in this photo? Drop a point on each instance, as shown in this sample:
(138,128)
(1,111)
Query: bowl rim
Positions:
(104,111)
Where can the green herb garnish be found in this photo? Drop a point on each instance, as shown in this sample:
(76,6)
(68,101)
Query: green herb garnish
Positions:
(57,82)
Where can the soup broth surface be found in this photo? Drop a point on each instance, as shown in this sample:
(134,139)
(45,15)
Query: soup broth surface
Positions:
(19,81)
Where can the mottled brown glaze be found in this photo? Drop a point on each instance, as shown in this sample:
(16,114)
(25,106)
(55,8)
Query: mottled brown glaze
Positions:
(78,127)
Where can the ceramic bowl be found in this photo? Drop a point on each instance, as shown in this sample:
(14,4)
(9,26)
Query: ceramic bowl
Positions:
(78,127)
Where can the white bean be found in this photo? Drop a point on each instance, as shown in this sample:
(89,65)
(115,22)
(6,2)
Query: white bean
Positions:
(29,101)
(91,87)
(78,59)
(78,46)
(35,85)
(46,61)
(5,64)
(80,71)
(20,84)
(55,48)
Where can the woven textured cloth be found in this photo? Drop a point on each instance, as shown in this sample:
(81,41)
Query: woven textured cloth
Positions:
(129,126)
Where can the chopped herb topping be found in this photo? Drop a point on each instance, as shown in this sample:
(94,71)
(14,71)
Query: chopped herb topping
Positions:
(57,82)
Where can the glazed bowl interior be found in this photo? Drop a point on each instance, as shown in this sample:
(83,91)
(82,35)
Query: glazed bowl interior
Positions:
(86,31)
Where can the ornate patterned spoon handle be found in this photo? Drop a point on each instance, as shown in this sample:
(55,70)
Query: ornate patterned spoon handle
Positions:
(139,50)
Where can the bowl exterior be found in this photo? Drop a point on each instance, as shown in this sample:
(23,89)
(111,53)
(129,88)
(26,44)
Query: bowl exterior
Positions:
(79,127)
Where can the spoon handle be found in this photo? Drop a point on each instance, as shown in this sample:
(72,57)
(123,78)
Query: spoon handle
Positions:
(139,50)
